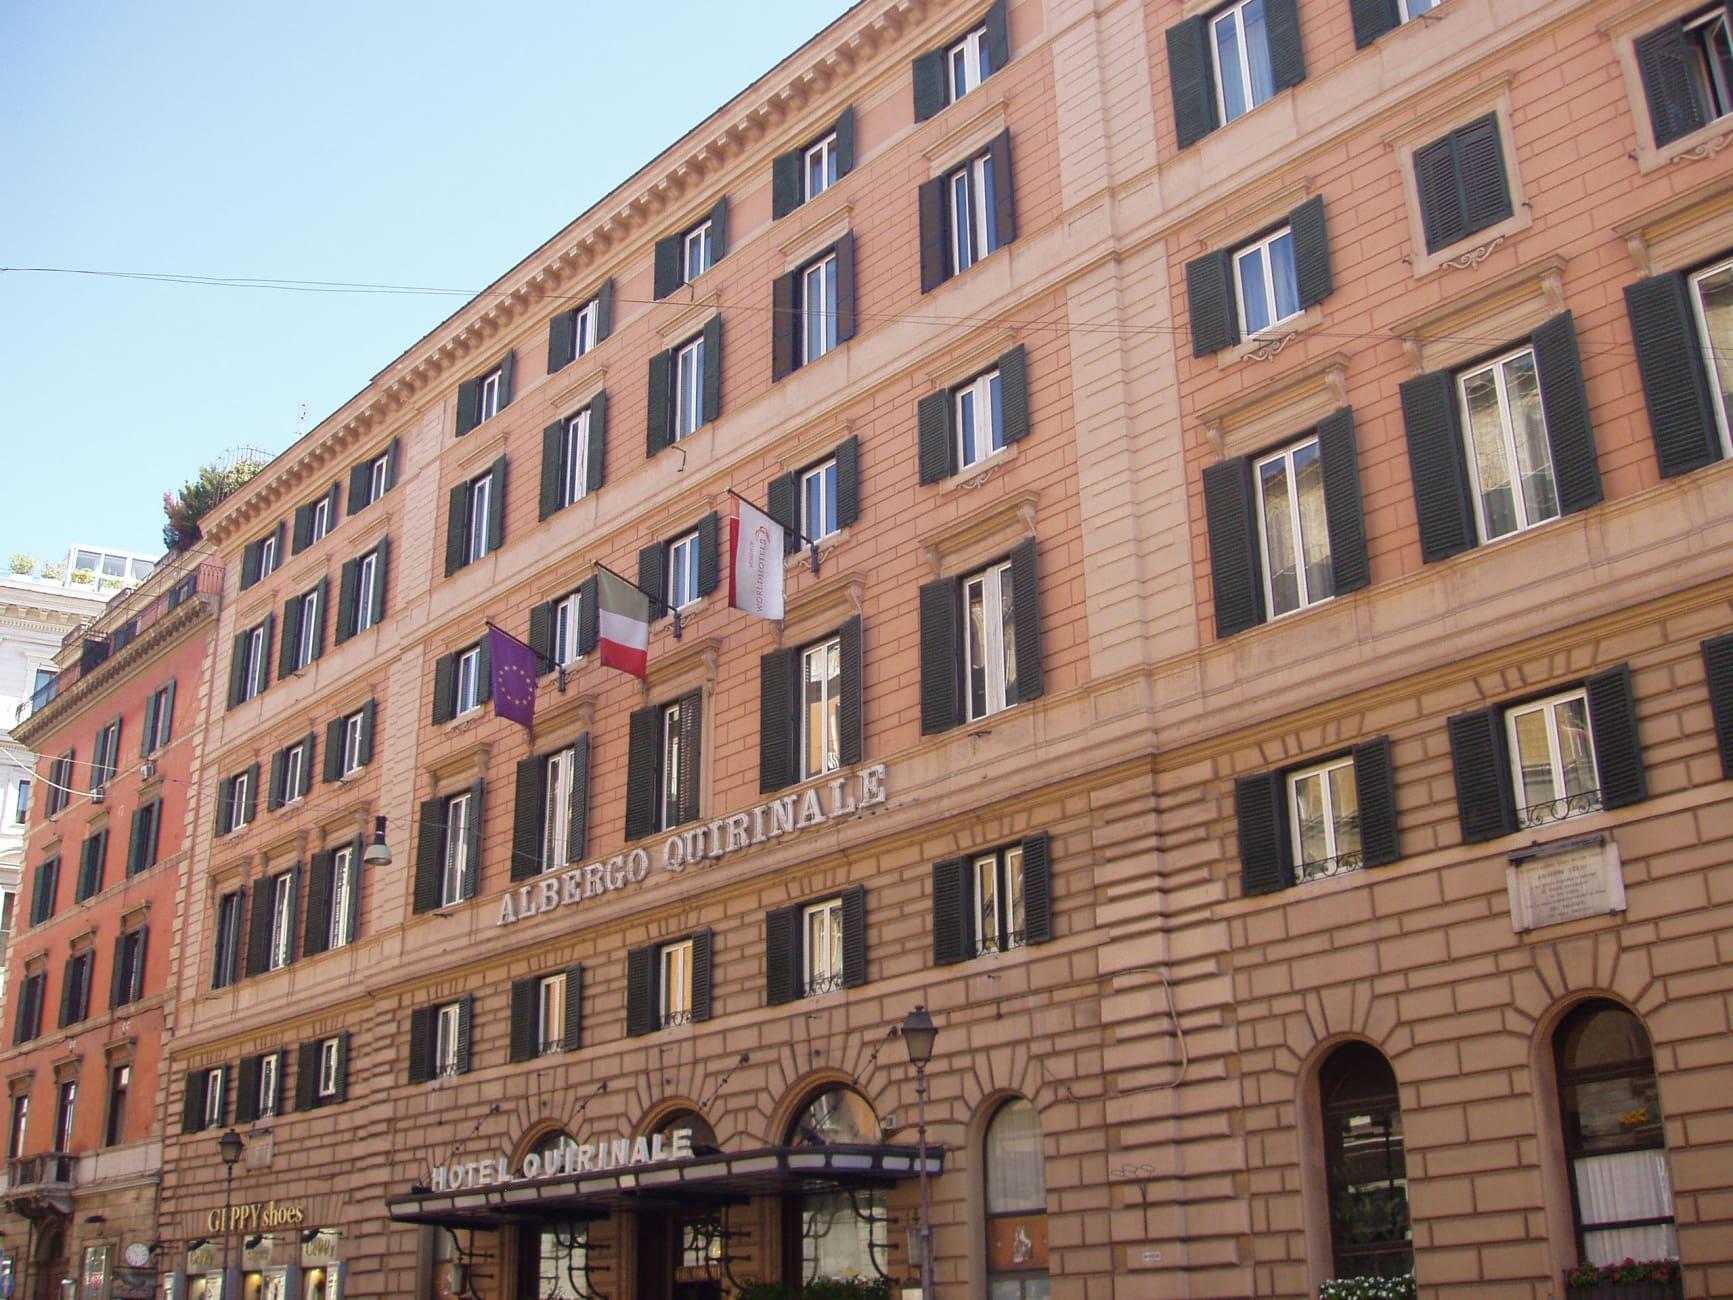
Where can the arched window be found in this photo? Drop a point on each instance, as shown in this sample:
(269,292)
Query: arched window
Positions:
(703,1136)
(839,1116)
(1610,1107)
(1365,1167)
(843,1234)
(1016,1205)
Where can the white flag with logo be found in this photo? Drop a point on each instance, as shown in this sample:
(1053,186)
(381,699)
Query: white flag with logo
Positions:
(755,569)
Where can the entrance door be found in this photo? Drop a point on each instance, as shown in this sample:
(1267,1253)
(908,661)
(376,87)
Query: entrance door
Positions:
(668,1265)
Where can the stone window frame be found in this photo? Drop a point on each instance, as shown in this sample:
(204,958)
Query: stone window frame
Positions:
(1623,31)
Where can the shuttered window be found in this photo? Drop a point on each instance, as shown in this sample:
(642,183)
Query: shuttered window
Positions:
(1462,184)
(961,426)
(333,898)
(992,901)
(812,309)
(967,214)
(546,1014)
(668,984)
(815,948)
(550,822)
(685,388)
(1718,670)
(349,742)
(564,629)
(1680,322)
(944,75)
(292,773)
(1317,820)
(146,835)
(574,453)
(981,642)
(573,333)
(810,709)
(371,479)
(803,173)
(486,395)
(261,556)
(1687,70)
(31,991)
(1224,64)
(475,524)
(439,1040)
(158,720)
(1245,291)
(250,662)
(92,861)
(316,518)
(361,591)
(684,257)
(230,928)
(127,981)
(822,499)
(45,891)
(303,629)
(663,764)
(462,681)
(1372,18)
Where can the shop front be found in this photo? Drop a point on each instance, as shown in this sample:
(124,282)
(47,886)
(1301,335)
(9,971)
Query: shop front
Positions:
(271,1252)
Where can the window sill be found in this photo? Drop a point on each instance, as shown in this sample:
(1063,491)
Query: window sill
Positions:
(1468,254)
(978,474)
(460,721)
(828,545)
(1269,344)
(1704,143)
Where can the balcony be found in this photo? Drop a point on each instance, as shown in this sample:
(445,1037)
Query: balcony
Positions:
(55,1171)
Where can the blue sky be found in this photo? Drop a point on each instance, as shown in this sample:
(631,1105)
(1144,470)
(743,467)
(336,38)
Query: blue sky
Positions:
(432,143)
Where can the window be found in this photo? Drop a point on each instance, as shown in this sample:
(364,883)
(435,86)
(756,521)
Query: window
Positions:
(972,215)
(319,521)
(480,503)
(1509,459)
(226,955)
(378,478)
(689,388)
(575,458)
(106,755)
(561,1261)
(92,863)
(215,1084)
(999,900)
(282,921)
(241,799)
(566,625)
(1614,1140)
(330,1067)
(990,641)
(696,251)
(1365,1164)
(129,966)
(269,1083)
(21,808)
(367,591)
(468,691)
(1224,64)
(20,1123)
(819,167)
(119,1084)
(683,257)
(75,993)
(65,1104)
(159,718)
(60,778)
(354,743)
(584,327)
(1266,282)
(1320,819)
(487,397)
(254,650)
(821,708)
(1552,759)
(821,945)
(980,418)
(1712,305)
(455,880)
(1461,183)
(663,766)
(674,985)
(1324,806)
(818,308)
(268,556)
(1240,46)
(291,773)
(1293,534)
(683,555)
(47,891)
(30,997)
(551,1015)
(944,75)
(967,64)
(146,832)
(342,925)
(1372,20)
(261,556)
(448,1041)
(1016,1202)
(1687,71)
(818,503)
(557,809)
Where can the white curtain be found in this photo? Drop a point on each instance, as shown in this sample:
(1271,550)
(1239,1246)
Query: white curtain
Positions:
(1618,1188)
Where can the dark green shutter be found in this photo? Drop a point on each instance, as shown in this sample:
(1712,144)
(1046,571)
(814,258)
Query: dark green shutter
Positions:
(360,481)
(849,725)
(574,1026)
(392,456)
(659,427)
(1485,806)
(1344,513)
(784,325)
(1037,889)
(369,715)
(347,597)
(1669,83)
(320,606)
(1618,746)
(778,720)
(237,669)
(476,810)
(252,804)
(712,369)
(605,310)
(1375,792)
(1026,622)
(782,982)
(934,233)
(847,483)
(1486,190)
(542,621)
(468,405)
(578,807)
(1188,66)
(507,369)
(782,503)
(998,36)
(457,529)
(342,1091)
(250,563)
(641,763)
(928,75)
(702,961)
(561,341)
(553,468)
(247,1090)
(1565,403)
(528,816)
(523,1018)
(1436,182)
(1718,672)
(333,750)
(303,528)
(429,855)
(845,298)
(1014,394)
(691,753)
(1230,514)
(1435,459)
(381,565)
(1311,251)
(941,658)
(1372,18)
(279,773)
(596,453)
(589,614)
(845,142)
(787,185)
(1260,809)
(465,1025)
(421,1044)
(709,552)
(444,688)
(1282,31)
(653,577)
(854,937)
(192,1100)
(668,266)
(496,498)
(938,452)
(1004,190)
(1209,296)
(641,1010)
(321,873)
(953,933)
(1675,379)
(259,928)
(719,230)
(291,637)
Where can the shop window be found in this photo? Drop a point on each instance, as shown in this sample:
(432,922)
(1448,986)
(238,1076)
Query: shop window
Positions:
(1365,1166)
(1016,1202)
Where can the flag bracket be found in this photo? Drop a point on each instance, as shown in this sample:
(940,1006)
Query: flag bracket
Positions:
(813,555)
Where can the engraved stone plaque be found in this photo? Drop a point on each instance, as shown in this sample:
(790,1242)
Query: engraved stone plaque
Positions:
(1555,883)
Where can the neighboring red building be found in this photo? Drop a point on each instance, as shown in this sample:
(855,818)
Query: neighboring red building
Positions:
(91,953)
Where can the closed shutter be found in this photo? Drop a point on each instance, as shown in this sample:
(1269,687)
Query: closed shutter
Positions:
(847,482)
(659,429)
(935,251)
(642,746)
(1485,806)
(421,1043)
(369,716)
(574,1026)
(303,528)
(1618,746)
(938,445)
(1014,394)
(719,230)
(1435,458)
(1232,523)
(496,499)
(561,341)
(429,855)
(1188,66)
(784,325)
(667,277)
(1485,189)
(553,468)
(953,933)
(845,300)
(941,658)
(259,929)
(1375,791)
(333,750)
(317,936)
(1311,251)
(844,129)
(641,992)
(854,937)
(1675,107)
(850,726)
(578,806)
(528,815)
(1565,403)
(192,1100)
(691,753)
(1026,622)
(596,453)
(782,973)
(785,184)
(523,1018)
(444,688)
(782,503)
(1372,18)
(286,662)
(928,75)
(468,405)
(465,1031)
(1260,809)
(1282,30)
(247,1090)
(653,577)
(1718,670)
(1209,295)
(542,636)
(1675,378)
(1344,513)
(701,970)
(709,553)
(778,720)
(1443,220)
(712,369)
(589,615)
(457,529)
(346,600)
(1004,190)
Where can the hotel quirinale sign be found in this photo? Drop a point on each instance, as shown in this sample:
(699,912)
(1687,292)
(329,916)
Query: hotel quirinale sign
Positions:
(827,801)
(568,1158)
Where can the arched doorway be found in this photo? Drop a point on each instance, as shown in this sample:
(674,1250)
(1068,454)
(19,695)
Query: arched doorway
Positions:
(840,1235)
(1365,1164)
(553,1257)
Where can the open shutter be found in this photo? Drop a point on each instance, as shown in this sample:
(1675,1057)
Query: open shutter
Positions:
(641,758)
(1436,181)
(1188,66)
(316,937)
(709,553)
(691,753)
(333,750)
(192,1100)
(712,368)
(250,563)
(346,600)
(1565,402)
(941,658)
(784,323)
(667,266)
(854,937)
(953,933)
(847,482)
(342,1080)
(320,606)
(457,529)
(429,855)
(523,1018)
(259,929)
(444,688)
(468,405)
(225,805)
(1014,394)
(1037,889)
(935,255)
(115,982)
(238,669)
(1344,513)
(1375,790)
(782,503)
(1260,808)
(653,577)
(1004,189)
(1233,546)
(659,429)
(641,992)
(247,1090)
(381,564)
(1435,459)
(291,637)
(596,452)
(1282,30)
(574,1026)
(472,872)
(360,483)
(589,615)
(421,1033)
(1026,621)
(928,74)
(279,779)
(303,528)
(938,450)
(553,467)
(778,764)
(605,310)
(998,36)
(1372,18)
(1209,295)
(1480,156)
(785,184)
(578,806)
(542,636)
(496,498)
(845,300)
(782,983)
(849,714)
(1618,747)
(1485,806)
(702,945)
(528,814)
(369,716)
(844,129)
(719,230)
(465,1031)
(507,372)
(1675,108)
(1718,670)
(561,341)
(165,727)
(1311,251)
(1675,378)
(251,807)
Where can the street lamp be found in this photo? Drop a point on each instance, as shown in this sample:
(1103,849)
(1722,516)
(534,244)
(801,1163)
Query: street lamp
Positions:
(230,1145)
(919,1034)
(378,853)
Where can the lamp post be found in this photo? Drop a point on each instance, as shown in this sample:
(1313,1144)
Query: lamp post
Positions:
(230,1145)
(919,1034)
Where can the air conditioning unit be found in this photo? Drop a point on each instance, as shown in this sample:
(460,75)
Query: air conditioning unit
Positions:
(146,770)
(96,795)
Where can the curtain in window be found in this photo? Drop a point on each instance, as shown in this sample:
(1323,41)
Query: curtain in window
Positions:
(1016,1177)
(1618,1188)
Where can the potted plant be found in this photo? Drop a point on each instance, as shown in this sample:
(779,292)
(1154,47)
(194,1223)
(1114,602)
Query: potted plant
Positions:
(1400,1287)
(1631,1279)
(23,565)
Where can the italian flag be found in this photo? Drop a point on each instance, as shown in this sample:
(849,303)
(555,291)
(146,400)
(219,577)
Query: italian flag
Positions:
(622,624)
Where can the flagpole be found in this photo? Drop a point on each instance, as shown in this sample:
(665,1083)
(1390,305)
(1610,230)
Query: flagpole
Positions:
(811,546)
(546,661)
(656,602)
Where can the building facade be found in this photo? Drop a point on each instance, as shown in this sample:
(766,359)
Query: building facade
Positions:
(1263,686)
(118,728)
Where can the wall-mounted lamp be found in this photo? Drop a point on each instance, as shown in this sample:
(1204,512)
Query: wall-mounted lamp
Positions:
(378,853)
